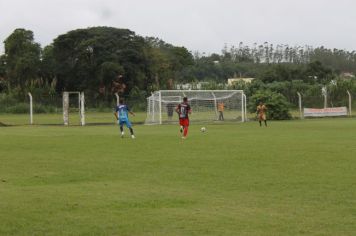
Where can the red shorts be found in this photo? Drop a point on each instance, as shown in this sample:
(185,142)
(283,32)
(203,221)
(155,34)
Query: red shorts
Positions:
(184,122)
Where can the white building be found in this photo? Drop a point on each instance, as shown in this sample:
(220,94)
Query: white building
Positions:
(190,86)
(231,81)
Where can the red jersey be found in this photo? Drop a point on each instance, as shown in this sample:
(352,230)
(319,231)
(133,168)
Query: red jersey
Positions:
(183,110)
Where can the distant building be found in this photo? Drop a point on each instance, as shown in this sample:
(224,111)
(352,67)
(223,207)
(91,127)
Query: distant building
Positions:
(231,81)
(190,86)
(347,75)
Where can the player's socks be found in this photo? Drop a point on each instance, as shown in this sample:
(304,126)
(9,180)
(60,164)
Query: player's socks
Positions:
(122,131)
(265,123)
(131,131)
(181,129)
(260,123)
(185,131)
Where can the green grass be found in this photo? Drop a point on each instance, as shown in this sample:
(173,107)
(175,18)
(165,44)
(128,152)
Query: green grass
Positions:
(291,178)
(94,118)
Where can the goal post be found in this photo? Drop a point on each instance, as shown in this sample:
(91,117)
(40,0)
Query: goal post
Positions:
(81,107)
(205,105)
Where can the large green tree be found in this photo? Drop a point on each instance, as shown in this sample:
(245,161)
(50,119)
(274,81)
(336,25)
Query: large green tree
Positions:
(22,57)
(94,59)
(167,63)
(88,59)
(3,82)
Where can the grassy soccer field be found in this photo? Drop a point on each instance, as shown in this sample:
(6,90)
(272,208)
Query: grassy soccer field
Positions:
(292,178)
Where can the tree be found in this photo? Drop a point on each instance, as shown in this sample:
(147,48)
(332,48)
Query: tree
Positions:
(3,82)
(277,105)
(48,64)
(317,72)
(22,56)
(90,59)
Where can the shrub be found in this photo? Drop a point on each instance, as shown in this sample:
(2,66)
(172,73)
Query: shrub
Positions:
(6,100)
(38,108)
(19,108)
(276,103)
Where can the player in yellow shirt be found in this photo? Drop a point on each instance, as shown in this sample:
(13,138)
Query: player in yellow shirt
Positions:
(221,107)
(261,113)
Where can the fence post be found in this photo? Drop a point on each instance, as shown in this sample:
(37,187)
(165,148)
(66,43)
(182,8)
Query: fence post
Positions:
(82,108)
(31,109)
(324,92)
(160,107)
(300,105)
(245,106)
(350,105)
(65,108)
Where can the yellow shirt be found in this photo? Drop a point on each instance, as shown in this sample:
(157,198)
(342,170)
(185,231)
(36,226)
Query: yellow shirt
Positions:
(261,110)
(220,106)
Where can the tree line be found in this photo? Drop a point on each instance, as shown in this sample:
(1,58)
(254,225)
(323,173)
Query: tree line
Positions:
(102,61)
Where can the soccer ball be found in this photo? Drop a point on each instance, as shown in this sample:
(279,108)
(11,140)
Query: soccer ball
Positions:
(203,129)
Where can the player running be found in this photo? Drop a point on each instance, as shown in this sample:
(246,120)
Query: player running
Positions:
(122,116)
(261,113)
(183,111)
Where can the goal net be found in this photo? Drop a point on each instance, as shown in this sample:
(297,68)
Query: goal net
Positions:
(207,105)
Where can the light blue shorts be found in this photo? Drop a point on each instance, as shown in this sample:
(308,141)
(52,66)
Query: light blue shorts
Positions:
(125,122)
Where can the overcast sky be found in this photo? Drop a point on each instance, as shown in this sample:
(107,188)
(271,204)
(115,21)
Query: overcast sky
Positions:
(199,25)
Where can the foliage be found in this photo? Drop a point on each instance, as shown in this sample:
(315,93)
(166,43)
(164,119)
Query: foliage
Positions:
(22,57)
(102,61)
(7,100)
(212,85)
(337,92)
(3,82)
(135,99)
(19,108)
(277,105)
(87,59)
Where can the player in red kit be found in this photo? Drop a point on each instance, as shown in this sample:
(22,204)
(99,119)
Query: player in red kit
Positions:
(183,111)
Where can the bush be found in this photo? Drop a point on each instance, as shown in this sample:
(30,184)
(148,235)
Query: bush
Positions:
(9,105)
(38,108)
(6,100)
(137,100)
(19,108)
(276,103)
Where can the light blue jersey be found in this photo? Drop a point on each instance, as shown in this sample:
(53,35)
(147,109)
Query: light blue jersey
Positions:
(123,115)
(123,112)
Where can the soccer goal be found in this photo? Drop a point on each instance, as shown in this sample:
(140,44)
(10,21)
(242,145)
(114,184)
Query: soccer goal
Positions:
(79,106)
(207,105)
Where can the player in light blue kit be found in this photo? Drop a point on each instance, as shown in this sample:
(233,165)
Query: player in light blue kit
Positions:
(122,115)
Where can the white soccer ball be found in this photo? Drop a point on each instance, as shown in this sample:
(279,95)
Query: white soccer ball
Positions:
(203,129)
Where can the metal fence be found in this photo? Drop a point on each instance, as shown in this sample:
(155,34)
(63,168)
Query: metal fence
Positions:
(48,110)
